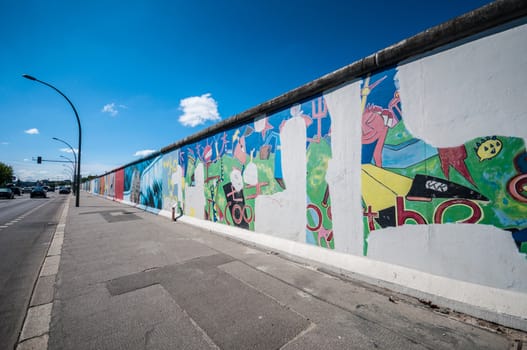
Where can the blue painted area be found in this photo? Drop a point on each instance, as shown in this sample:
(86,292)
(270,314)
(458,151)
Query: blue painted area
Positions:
(521,163)
(382,94)
(506,221)
(520,236)
(407,154)
(367,152)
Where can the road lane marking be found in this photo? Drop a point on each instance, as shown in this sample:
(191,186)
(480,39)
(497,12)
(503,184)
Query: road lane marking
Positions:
(21,217)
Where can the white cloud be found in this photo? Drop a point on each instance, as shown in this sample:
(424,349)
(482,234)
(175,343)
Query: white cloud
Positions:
(32,131)
(5,143)
(198,110)
(110,109)
(27,175)
(144,152)
(68,150)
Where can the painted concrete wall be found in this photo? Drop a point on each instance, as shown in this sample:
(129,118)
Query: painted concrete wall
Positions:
(420,168)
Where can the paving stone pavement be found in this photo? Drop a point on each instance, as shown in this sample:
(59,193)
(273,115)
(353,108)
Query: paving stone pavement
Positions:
(128,279)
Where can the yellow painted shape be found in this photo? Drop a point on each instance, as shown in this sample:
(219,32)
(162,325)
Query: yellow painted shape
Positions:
(380,187)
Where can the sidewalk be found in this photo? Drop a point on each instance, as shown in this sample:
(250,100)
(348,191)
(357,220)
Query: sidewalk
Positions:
(131,280)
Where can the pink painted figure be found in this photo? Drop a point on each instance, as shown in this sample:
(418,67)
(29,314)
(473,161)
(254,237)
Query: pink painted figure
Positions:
(325,234)
(375,124)
(240,152)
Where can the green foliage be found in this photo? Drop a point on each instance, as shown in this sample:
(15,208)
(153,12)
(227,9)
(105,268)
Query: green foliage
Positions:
(6,173)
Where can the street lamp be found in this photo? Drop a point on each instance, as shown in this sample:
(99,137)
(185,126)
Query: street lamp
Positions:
(68,159)
(70,168)
(67,170)
(74,157)
(77,175)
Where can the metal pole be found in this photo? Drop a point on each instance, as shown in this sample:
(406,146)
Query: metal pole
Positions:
(69,160)
(74,166)
(68,171)
(77,183)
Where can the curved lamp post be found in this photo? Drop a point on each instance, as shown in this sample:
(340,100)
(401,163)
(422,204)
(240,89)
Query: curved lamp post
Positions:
(70,168)
(77,175)
(69,160)
(74,165)
(67,170)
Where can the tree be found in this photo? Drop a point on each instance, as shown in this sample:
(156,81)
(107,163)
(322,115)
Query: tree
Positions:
(6,173)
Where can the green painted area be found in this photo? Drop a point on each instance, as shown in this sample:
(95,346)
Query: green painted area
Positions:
(398,135)
(318,156)
(266,174)
(523,248)
(490,172)
(219,174)
(491,177)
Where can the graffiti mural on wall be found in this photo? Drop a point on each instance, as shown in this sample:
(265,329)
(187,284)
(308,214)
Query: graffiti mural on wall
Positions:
(233,168)
(172,181)
(406,181)
(221,177)
(119,184)
(142,184)
(102,185)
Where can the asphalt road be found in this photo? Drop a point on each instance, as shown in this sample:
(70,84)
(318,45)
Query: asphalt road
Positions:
(26,229)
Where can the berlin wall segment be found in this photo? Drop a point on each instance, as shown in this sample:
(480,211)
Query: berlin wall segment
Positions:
(421,165)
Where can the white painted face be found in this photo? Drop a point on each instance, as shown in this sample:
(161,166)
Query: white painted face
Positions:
(259,124)
(237,180)
(250,175)
(296,111)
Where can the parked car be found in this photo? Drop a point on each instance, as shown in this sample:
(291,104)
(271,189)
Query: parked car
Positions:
(16,190)
(64,190)
(38,191)
(6,193)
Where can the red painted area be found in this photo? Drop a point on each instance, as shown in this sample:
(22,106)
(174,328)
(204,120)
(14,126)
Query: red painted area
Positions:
(119,184)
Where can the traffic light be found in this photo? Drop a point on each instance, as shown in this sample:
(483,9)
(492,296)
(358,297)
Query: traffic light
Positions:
(39,160)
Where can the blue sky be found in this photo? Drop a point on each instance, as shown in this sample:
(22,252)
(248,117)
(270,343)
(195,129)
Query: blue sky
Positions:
(145,74)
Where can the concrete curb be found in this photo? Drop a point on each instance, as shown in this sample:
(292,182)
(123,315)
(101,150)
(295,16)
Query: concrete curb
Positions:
(34,334)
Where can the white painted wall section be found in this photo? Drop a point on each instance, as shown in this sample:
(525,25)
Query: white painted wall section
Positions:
(472,90)
(343,175)
(284,213)
(194,198)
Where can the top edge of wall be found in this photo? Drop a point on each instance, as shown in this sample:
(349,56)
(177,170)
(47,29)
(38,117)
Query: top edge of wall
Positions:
(489,16)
